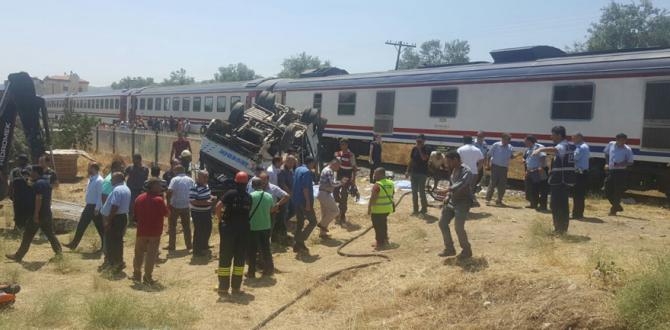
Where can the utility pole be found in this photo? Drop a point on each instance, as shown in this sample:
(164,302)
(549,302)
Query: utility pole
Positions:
(398,46)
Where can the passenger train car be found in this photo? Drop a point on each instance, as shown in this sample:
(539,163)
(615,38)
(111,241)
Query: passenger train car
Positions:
(524,91)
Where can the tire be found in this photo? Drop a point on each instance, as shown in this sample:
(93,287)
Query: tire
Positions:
(236,117)
(262,98)
(310,116)
(289,137)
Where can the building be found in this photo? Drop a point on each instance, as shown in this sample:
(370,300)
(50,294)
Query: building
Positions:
(66,83)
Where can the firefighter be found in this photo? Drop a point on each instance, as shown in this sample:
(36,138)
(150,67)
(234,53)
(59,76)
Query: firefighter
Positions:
(233,213)
(347,170)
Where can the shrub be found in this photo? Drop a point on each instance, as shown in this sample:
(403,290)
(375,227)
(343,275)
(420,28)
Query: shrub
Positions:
(644,302)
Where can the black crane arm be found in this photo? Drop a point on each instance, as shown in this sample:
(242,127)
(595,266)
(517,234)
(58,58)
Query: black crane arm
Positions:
(20,99)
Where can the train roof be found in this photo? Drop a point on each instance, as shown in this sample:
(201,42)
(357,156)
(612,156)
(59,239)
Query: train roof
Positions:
(237,86)
(96,93)
(561,67)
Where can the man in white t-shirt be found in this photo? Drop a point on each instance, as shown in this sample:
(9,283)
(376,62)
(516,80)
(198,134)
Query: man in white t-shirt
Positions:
(472,157)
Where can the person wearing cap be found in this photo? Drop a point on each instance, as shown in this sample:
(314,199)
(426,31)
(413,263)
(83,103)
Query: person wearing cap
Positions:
(91,211)
(456,206)
(582,156)
(303,201)
(347,175)
(136,175)
(497,160)
(327,184)
(178,202)
(150,212)
(375,155)
(185,159)
(42,217)
(233,211)
(618,157)
(20,192)
(380,206)
(180,145)
(201,212)
(417,171)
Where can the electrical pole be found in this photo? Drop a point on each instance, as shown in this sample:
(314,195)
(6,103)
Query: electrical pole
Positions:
(399,45)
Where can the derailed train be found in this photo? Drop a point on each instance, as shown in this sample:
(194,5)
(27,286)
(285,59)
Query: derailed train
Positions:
(523,91)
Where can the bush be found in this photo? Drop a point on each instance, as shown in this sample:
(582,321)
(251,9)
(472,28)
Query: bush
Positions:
(644,303)
(75,131)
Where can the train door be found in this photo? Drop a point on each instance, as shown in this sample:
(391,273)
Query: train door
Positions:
(656,127)
(384,110)
(123,111)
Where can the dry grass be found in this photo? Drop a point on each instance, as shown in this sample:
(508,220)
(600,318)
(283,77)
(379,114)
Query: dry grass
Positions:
(53,311)
(521,277)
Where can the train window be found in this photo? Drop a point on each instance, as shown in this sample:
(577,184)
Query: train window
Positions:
(143,103)
(166,104)
(443,102)
(572,102)
(150,103)
(221,103)
(97,103)
(209,103)
(656,124)
(197,103)
(233,100)
(346,104)
(158,104)
(106,103)
(175,104)
(316,102)
(186,104)
(116,103)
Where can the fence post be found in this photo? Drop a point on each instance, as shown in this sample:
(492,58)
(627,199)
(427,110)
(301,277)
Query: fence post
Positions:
(113,140)
(132,142)
(156,149)
(97,138)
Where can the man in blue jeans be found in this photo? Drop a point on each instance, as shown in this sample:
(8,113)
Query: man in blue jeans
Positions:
(417,170)
(303,201)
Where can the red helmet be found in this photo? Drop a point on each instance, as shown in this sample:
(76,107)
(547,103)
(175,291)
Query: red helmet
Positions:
(241,177)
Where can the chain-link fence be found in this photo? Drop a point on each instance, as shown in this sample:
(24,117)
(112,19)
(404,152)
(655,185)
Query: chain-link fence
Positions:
(153,146)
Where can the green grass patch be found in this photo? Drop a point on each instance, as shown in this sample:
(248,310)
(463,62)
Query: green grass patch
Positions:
(644,302)
(114,310)
(52,311)
(65,264)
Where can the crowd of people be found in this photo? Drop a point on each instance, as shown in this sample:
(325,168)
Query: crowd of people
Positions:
(257,211)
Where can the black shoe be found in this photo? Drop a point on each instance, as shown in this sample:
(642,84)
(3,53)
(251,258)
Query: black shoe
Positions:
(531,207)
(447,253)
(12,289)
(577,217)
(250,275)
(137,278)
(619,208)
(70,246)
(464,255)
(423,211)
(148,280)
(13,257)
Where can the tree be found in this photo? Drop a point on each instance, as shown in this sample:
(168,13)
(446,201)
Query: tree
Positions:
(628,25)
(235,72)
(75,130)
(456,51)
(295,65)
(432,53)
(178,77)
(132,82)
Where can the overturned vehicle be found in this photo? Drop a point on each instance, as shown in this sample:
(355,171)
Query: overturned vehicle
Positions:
(252,137)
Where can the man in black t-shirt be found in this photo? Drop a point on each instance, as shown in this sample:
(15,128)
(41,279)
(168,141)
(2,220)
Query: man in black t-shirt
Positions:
(375,157)
(417,170)
(233,214)
(21,193)
(136,175)
(42,217)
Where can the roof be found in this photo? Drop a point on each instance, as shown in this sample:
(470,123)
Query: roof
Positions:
(237,86)
(97,93)
(577,66)
(63,78)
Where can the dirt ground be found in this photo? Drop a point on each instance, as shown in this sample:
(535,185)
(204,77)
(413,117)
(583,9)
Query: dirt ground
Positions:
(520,276)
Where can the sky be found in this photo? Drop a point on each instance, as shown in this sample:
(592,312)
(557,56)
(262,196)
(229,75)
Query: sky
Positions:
(103,41)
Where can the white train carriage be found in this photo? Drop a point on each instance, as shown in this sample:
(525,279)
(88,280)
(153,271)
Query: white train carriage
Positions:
(197,103)
(108,106)
(525,91)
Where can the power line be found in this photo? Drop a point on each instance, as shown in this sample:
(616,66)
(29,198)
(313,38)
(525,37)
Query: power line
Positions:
(398,46)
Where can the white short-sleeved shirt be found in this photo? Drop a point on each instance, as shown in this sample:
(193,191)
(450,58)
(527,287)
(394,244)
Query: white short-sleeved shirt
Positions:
(181,188)
(470,156)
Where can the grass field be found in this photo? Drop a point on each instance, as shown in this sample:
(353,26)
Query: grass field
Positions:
(521,277)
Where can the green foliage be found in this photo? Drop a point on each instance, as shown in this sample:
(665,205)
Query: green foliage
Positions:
(628,25)
(644,303)
(178,77)
(75,130)
(133,82)
(434,52)
(295,65)
(19,143)
(52,311)
(235,72)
